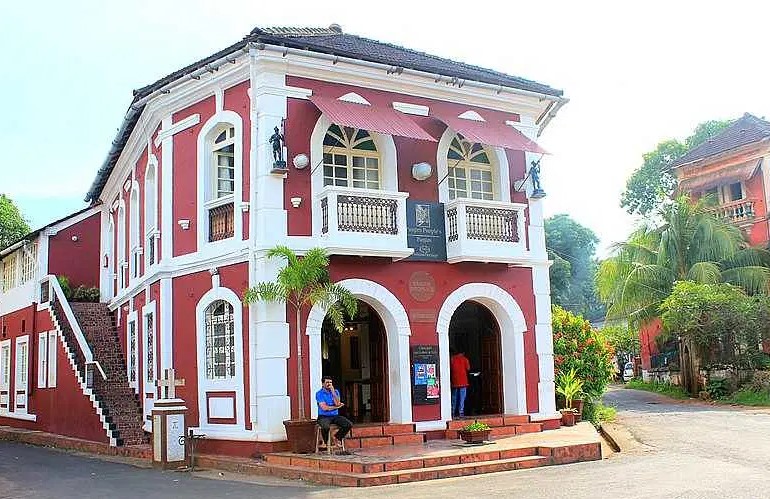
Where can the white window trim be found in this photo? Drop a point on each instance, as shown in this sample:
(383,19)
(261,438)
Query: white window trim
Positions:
(147,310)
(234,384)
(500,177)
(205,183)
(42,360)
(135,233)
(5,368)
(132,318)
(19,372)
(151,212)
(53,353)
(120,260)
(386,148)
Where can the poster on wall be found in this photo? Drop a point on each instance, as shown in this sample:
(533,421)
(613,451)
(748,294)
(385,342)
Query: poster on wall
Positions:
(426,388)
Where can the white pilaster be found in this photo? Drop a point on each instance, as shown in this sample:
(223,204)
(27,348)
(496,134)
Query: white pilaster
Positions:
(544,339)
(166,191)
(268,327)
(166,311)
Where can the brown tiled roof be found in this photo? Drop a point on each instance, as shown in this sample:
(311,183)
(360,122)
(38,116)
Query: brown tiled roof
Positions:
(743,131)
(322,40)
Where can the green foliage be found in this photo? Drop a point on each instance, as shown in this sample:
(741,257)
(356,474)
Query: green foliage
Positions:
(86,294)
(717,388)
(749,397)
(476,426)
(579,347)
(64,284)
(13,226)
(667,389)
(303,283)
(568,385)
(572,247)
(691,244)
(597,413)
(653,183)
(760,382)
(622,339)
(720,320)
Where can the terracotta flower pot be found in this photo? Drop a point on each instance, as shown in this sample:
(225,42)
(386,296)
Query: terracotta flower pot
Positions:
(578,406)
(301,435)
(567,418)
(475,437)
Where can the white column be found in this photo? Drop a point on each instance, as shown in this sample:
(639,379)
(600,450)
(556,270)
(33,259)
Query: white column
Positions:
(166,310)
(268,329)
(166,194)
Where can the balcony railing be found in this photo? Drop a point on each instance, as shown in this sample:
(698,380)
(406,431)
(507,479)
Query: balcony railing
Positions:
(487,231)
(221,222)
(737,211)
(362,221)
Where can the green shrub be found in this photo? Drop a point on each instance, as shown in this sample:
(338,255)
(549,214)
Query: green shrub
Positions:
(576,345)
(597,413)
(64,284)
(760,382)
(717,388)
(87,294)
(749,397)
(476,426)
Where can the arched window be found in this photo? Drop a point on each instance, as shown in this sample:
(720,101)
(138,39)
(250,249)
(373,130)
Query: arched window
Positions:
(220,340)
(110,252)
(121,259)
(350,158)
(223,151)
(150,212)
(134,231)
(470,170)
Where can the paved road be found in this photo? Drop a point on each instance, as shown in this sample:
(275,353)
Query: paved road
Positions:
(683,450)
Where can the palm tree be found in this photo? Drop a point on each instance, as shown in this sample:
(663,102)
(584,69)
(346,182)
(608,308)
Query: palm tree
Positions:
(692,244)
(303,283)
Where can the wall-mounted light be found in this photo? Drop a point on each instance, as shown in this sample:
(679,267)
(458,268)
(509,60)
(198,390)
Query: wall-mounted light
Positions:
(74,239)
(421,171)
(300,161)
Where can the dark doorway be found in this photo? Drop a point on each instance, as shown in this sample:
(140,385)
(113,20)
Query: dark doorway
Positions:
(473,330)
(357,361)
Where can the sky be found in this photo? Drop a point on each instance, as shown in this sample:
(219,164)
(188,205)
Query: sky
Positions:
(636,73)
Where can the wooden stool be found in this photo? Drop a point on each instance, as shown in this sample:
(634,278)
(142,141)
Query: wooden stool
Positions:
(332,442)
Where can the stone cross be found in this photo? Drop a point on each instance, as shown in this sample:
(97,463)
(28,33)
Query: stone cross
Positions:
(169,383)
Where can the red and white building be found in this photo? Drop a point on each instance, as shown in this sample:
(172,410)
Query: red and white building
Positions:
(394,157)
(733,166)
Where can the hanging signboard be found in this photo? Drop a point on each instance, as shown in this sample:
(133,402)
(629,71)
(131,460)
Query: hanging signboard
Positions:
(425,231)
(425,375)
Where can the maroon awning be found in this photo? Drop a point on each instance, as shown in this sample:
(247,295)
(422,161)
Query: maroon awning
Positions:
(368,117)
(489,133)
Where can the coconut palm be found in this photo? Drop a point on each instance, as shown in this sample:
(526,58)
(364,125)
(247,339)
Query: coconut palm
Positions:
(302,283)
(691,244)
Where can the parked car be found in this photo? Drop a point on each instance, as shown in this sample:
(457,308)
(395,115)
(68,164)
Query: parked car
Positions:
(628,371)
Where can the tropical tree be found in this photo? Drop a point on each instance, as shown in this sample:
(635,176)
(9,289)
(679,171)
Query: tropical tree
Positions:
(12,224)
(651,185)
(302,283)
(692,244)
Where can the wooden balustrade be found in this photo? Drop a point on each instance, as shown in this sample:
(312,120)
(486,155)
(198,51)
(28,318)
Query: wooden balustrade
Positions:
(221,222)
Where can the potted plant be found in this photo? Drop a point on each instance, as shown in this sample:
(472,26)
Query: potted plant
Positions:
(302,283)
(475,433)
(571,387)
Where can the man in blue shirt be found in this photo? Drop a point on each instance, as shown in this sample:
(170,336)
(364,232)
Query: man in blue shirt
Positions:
(328,399)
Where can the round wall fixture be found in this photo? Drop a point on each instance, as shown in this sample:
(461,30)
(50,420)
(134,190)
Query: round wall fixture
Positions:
(421,171)
(300,161)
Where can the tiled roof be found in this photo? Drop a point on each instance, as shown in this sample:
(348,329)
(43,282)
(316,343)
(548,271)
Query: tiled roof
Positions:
(745,130)
(322,40)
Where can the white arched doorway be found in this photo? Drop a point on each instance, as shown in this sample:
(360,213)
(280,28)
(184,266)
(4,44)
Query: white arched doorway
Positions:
(396,322)
(510,320)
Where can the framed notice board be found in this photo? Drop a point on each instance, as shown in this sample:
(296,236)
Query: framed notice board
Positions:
(426,389)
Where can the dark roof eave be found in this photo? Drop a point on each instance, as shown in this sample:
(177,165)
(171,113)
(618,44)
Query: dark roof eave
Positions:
(726,152)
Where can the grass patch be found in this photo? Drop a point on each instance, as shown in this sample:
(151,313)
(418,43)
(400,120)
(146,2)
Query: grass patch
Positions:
(748,397)
(598,413)
(666,389)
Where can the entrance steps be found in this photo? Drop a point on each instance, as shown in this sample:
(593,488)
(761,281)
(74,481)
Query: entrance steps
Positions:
(501,425)
(434,459)
(380,434)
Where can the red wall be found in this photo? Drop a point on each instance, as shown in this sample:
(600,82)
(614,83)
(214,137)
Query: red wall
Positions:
(78,260)
(63,410)
(395,276)
(758,233)
(647,334)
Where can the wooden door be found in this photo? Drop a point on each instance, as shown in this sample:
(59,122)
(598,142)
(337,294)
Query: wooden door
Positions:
(378,361)
(491,374)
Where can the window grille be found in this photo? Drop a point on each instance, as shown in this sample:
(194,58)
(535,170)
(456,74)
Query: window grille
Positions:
(220,341)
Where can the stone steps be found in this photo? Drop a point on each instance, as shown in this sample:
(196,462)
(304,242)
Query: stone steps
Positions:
(377,435)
